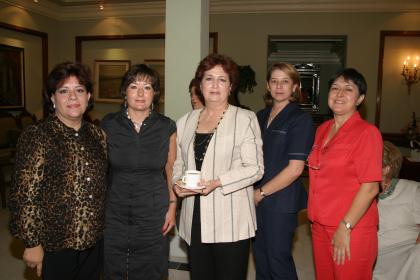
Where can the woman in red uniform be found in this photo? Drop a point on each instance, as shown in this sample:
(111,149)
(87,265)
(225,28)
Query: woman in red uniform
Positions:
(345,168)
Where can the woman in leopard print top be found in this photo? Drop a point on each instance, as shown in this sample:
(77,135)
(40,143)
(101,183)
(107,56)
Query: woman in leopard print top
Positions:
(59,182)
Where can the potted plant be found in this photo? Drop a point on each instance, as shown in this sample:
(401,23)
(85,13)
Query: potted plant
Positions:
(246,84)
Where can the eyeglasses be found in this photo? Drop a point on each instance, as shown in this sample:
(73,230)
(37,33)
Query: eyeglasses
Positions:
(79,90)
(311,166)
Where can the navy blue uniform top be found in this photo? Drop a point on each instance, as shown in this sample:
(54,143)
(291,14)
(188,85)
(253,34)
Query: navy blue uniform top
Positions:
(289,137)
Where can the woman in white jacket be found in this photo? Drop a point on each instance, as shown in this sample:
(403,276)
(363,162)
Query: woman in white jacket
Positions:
(224,143)
(399,222)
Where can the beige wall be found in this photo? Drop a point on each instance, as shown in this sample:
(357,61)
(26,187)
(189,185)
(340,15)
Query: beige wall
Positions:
(244,37)
(248,44)
(32,66)
(395,100)
(137,51)
(32,49)
(134,50)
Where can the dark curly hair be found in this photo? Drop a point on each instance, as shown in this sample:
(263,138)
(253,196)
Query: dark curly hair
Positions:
(59,74)
(196,85)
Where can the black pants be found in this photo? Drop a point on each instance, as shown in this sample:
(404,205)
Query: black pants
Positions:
(72,264)
(216,261)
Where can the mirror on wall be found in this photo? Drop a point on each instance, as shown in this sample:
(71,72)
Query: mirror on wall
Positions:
(316,58)
(397,104)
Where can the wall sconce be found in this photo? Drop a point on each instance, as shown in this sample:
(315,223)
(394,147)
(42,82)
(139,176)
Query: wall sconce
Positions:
(101,4)
(410,72)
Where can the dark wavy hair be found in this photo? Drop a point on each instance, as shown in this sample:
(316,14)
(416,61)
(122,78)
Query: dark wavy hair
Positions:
(141,72)
(212,60)
(196,85)
(59,74)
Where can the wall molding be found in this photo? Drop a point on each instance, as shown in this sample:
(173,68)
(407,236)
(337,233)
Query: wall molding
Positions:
(157,8)
(44,43)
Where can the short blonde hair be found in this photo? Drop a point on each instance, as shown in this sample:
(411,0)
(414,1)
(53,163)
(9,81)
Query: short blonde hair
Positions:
(293,74)
(392,157)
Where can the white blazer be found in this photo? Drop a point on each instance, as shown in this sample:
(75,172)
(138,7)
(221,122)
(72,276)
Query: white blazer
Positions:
(234,155)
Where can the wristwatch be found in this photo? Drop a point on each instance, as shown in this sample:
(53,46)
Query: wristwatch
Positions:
(262,193)
(347,225)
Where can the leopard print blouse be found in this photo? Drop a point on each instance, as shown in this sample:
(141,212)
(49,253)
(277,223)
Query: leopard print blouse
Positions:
(58,187)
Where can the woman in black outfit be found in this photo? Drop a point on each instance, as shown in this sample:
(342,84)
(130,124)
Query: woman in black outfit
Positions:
(141,205)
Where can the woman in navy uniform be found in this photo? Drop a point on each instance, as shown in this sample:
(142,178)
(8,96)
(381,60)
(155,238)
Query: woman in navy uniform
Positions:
(287,134)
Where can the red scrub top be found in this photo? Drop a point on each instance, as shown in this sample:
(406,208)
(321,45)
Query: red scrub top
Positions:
(337,170)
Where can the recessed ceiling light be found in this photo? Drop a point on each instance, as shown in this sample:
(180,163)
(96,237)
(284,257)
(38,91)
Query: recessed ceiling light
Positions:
(36,1)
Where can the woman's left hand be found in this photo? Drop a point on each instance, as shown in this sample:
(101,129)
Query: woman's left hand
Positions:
(209,186)
(341,244)
(169,219)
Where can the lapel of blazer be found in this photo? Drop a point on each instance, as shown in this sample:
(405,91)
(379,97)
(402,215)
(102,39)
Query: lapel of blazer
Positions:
(219,152)
(188,139)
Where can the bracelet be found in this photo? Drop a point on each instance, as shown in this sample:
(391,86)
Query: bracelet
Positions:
(262,193)
(172,201)
(347,225)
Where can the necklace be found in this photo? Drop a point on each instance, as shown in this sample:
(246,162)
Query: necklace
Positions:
(202,140)
(220,119)
(201,143)
(137,125)
(390,190)
(272,116)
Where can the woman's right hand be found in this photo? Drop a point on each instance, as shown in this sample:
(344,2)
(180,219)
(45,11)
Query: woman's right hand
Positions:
(33,258)
(182,192)
(341,244)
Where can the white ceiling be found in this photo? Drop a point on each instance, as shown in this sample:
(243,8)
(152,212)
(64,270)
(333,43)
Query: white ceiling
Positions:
(95,2)
(89,9)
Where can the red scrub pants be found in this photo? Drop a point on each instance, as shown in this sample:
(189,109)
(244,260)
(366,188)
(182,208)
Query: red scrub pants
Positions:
(363,252)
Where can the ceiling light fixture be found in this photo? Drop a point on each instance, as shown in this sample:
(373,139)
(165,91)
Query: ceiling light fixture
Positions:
(101,5)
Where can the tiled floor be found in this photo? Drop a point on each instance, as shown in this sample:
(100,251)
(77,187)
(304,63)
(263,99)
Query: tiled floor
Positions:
(12,268)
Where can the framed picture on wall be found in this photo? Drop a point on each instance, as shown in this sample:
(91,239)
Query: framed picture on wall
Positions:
(12,77)
(159,66)
(107,79)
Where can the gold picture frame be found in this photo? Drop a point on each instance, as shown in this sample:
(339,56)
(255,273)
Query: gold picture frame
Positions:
(12,71)
(107,80)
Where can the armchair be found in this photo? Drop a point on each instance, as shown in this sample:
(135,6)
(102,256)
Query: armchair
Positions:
(9,133)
